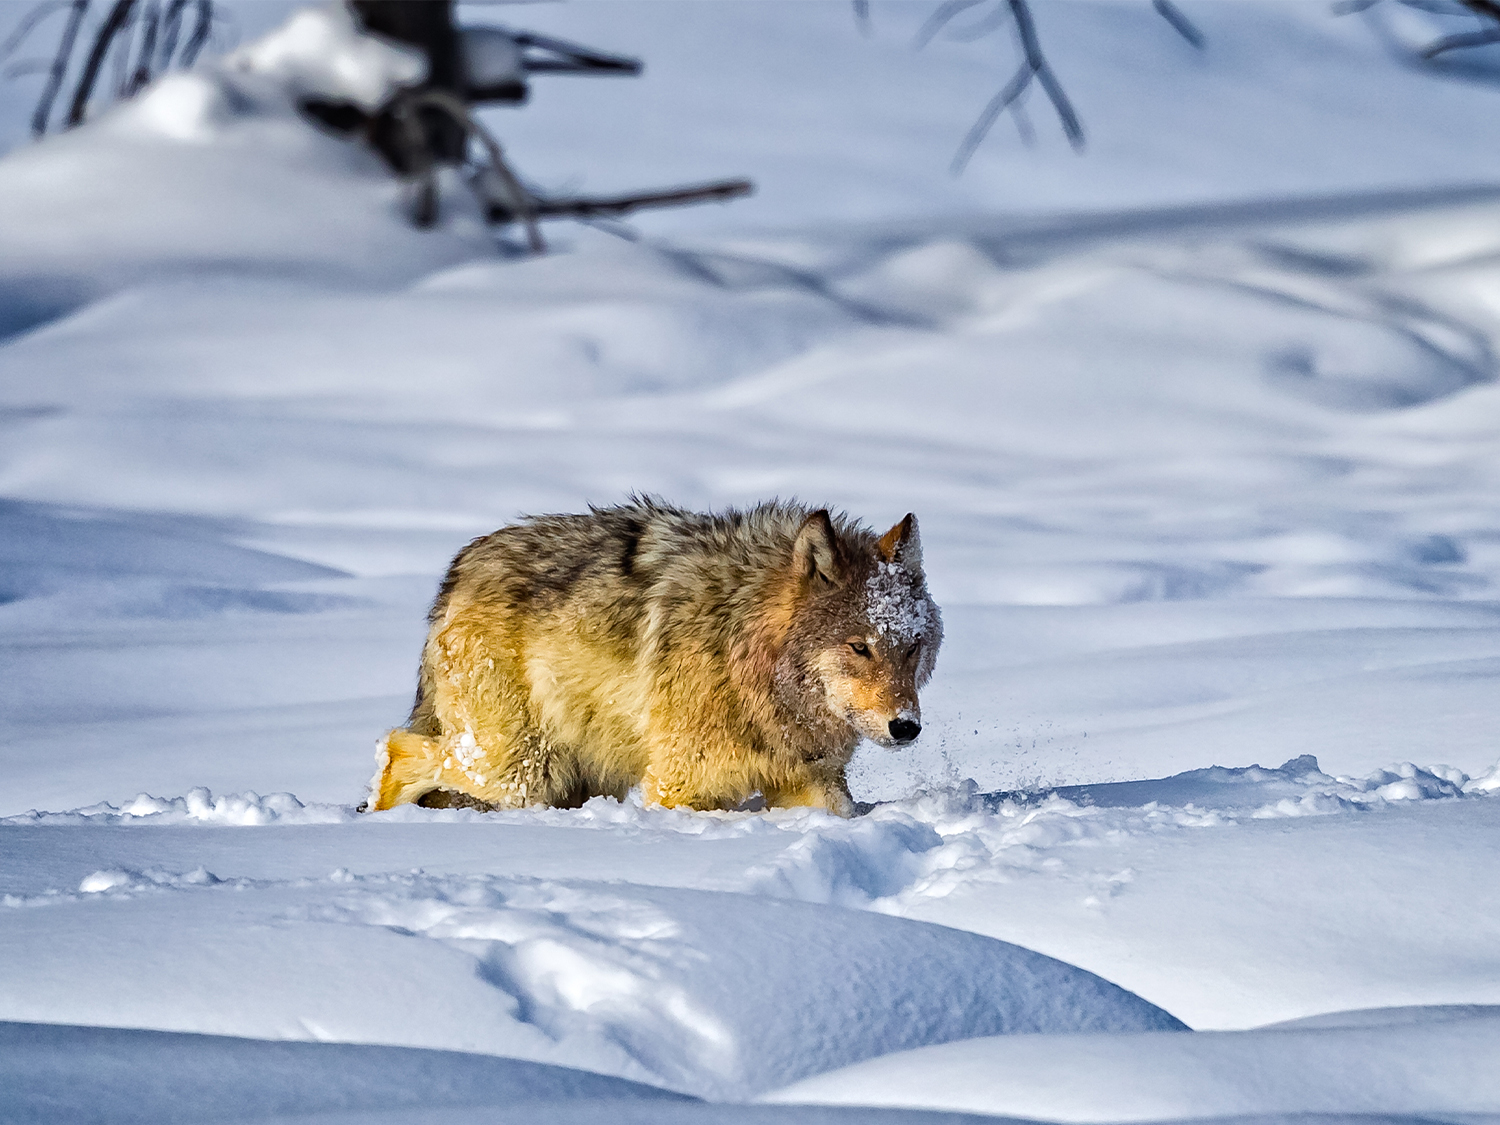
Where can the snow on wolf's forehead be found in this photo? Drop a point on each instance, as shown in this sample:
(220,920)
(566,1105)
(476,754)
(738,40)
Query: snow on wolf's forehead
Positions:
(897,604)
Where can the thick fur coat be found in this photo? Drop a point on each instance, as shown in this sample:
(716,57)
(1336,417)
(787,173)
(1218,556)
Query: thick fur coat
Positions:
(702,657)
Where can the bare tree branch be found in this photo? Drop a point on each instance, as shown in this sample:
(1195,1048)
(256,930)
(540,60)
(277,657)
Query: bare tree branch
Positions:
(1466,39)
(43,112)
(147,52)
(1484,9)
(1489,9)
(862,17)
(123,37)
(22,67)
(205,9)
(998,104)
(518,202)
(940,19)
(1037,61)
(613,206)
(981,27)
(171,27)
(112,25)
(28,24)
(1180,23)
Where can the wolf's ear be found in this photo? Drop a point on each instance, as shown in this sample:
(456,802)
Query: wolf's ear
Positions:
(815,555)
(901,544)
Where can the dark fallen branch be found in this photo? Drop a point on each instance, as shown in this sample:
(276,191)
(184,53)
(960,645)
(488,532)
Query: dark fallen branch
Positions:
(512,195)
(607,207)
(570,58)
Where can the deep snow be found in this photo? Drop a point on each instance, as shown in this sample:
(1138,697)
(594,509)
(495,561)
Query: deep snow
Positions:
(1203,483)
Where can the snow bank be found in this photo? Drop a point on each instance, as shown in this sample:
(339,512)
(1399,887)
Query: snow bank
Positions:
(54,1072)
(1442,1065)
(707,993)
(200,806)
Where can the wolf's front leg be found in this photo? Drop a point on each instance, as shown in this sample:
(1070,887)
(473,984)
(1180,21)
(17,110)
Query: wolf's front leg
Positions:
(831,793)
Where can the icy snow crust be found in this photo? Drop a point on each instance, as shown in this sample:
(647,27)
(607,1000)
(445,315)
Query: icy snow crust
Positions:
(1198,486)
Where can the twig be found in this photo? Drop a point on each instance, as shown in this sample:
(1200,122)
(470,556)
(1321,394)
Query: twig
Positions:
(171,27)
(143,58)
(524,205)
(43,112)
(1008,93)
(28,24)
(981,27)
(862,17)
(121,52)
(1034,65)
(1487,8)
(1032,47)
(606,207)
(940,19)
(22,67)
(205,9)
(112,24)
(1466,39)
(1180,23)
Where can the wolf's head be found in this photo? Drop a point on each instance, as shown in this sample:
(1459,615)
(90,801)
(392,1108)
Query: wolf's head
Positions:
(866,633)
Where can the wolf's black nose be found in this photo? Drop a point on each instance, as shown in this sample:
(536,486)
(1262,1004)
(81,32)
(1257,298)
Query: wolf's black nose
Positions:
(904,730)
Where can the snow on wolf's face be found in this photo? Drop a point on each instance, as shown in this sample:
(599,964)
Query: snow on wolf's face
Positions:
(877,638)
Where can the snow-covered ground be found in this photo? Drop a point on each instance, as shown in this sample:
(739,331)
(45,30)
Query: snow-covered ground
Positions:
(1203,429)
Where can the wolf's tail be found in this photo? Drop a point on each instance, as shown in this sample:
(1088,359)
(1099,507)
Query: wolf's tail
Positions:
(406,767)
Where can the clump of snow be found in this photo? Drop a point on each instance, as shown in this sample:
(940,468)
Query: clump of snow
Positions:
(1487,782)
(190,108)
(116,879)
(199,806)
(321,51)
(898,606)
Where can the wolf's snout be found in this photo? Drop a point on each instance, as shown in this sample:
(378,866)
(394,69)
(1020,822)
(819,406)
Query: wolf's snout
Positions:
(904,730)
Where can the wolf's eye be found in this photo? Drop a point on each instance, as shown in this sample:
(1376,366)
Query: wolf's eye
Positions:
(913,650)
(860,648)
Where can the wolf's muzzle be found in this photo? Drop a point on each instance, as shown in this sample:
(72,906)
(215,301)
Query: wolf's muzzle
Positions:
(904,730)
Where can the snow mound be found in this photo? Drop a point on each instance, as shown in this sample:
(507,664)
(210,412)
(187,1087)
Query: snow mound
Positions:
(1295,788)
(200,806)
(926,846)
(701,992)
(1422,1066)
(711,994)
(59,1072)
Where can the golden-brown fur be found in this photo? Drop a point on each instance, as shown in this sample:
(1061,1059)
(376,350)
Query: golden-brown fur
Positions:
(703,657)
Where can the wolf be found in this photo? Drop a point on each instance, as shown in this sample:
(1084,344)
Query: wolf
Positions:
(703,657)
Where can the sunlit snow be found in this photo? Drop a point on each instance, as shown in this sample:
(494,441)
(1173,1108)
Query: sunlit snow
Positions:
(1203,431)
